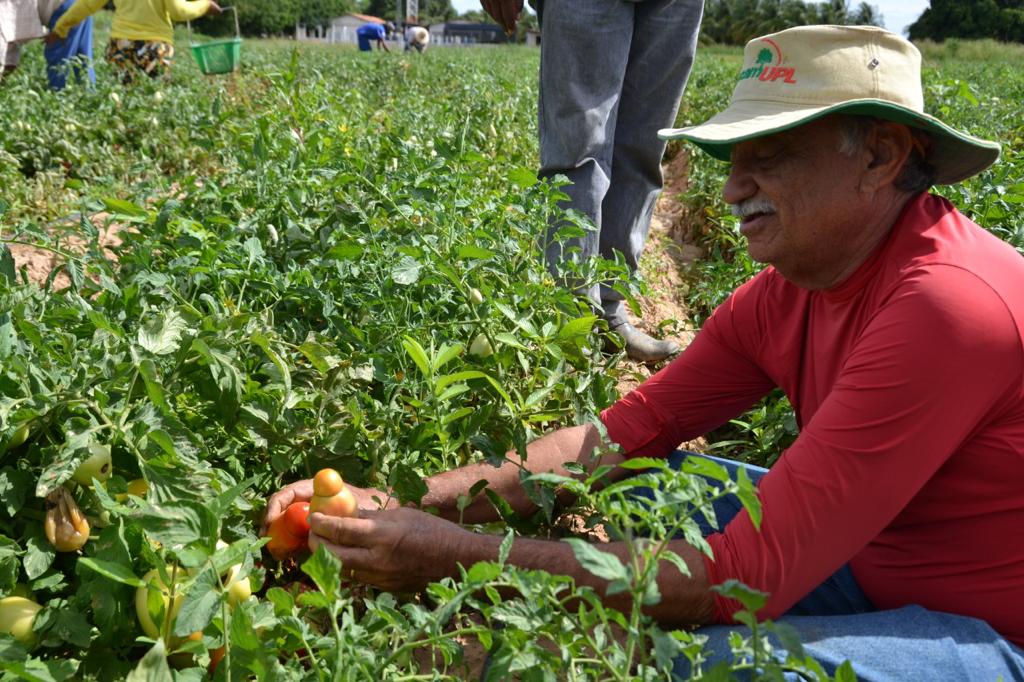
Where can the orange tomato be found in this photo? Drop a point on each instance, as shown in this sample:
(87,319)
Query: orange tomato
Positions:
(342,503)
(327,482)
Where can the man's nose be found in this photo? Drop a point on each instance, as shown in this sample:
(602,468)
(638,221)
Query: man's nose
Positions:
(738,186)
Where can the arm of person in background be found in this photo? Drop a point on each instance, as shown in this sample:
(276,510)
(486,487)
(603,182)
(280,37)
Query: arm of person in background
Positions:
(505,12)
(382,44)
(187,10)
(76,14)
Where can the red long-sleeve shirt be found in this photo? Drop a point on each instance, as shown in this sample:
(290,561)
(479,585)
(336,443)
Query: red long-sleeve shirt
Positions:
(908,382)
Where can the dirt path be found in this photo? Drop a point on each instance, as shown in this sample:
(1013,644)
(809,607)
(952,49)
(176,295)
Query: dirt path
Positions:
(666,256)
(38,263)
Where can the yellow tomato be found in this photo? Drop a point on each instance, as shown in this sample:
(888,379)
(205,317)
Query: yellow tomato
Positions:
(16,617)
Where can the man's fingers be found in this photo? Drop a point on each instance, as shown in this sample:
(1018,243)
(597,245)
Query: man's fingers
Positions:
(353,559)
(351,532)
(279,501)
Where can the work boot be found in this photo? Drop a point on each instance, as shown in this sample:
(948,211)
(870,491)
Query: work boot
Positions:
(641,347)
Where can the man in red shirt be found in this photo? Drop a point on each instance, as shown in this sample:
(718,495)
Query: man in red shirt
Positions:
(893,323)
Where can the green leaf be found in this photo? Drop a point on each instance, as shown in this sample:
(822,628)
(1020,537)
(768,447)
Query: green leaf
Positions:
(747,493)
(446,354)
(473,252)
(845,673)
(325,570)
(122,207)
(642,463)
(602,564)
(407,271)
(577,328)
(418,355)
(153,666)
(7,266)
(112,571)
(483,572)
(162,336)
(789,638)
(407,484)
(522,177)
(200,604)
(264,344)
(345,251)
(752,600)
(702,466)
(154,387)
(39,555)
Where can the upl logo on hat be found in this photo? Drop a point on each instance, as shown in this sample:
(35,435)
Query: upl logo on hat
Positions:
(764,70)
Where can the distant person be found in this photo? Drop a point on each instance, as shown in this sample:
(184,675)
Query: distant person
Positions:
(142,35)
(416,38)
(370,32)
(19,23)
(74,52)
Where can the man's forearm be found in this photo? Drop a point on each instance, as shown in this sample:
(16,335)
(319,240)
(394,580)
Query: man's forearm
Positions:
(684,600)
(546,454)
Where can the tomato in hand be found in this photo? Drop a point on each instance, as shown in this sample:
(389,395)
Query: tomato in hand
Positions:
(288,532)
(296,519)
(331,496)
(327,483)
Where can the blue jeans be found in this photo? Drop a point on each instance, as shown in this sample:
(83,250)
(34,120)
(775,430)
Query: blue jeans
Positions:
(836,622)
(612,73)
(72,53)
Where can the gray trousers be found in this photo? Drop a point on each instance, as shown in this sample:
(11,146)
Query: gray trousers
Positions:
(612,73)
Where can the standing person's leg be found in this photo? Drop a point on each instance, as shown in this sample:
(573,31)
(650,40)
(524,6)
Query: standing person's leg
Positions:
(660,59)
(584,49)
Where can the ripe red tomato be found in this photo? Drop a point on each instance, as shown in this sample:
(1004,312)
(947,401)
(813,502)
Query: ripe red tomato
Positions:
(296,519)
(282,543)
(327,483)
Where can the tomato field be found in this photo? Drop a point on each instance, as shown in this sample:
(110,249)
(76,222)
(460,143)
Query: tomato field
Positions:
(330,259)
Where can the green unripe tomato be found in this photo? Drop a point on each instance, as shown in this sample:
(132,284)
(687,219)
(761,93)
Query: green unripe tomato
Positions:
(160,591)
(98,465)
(16,617)
(19,436)
(475,297)
(481,347)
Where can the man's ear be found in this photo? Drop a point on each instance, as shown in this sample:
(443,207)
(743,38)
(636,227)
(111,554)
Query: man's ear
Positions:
(889,145)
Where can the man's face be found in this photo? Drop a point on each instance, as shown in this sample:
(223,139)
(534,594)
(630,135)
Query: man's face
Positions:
(799,202)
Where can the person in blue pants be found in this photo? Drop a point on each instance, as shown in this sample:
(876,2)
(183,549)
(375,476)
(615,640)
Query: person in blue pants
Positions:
(74,53)
(371,32)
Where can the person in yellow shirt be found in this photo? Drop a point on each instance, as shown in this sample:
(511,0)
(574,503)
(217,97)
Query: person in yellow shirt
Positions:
(142,35)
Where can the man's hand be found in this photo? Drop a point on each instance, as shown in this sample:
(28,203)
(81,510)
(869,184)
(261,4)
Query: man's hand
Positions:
(213,10)
(52,38)
(396,550)
(505,12)
(302,491)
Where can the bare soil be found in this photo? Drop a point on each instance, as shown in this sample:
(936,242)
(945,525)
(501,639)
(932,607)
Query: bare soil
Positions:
(39,263)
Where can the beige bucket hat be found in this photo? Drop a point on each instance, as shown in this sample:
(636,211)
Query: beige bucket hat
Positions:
(795,76)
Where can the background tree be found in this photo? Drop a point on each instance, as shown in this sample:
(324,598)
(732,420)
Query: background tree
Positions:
(998,19)
(734,22)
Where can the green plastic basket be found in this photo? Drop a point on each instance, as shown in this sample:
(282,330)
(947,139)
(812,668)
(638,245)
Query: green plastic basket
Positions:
(218,56)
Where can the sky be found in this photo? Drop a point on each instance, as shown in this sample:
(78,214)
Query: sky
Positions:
(898,14)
